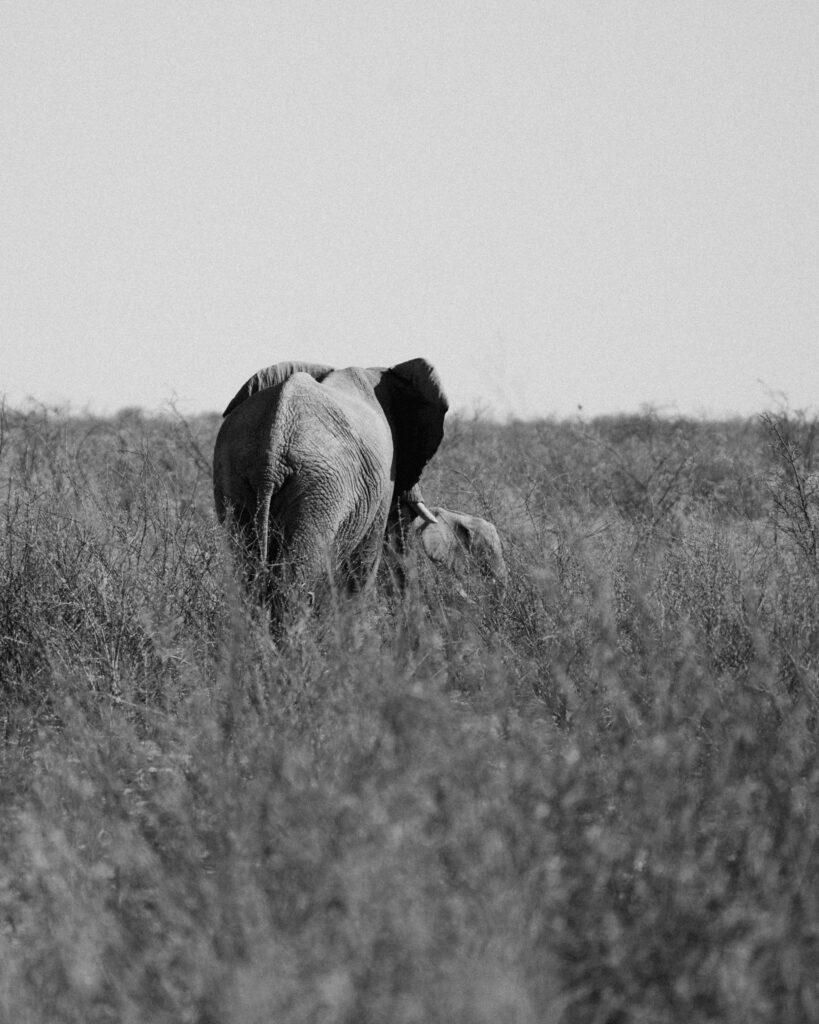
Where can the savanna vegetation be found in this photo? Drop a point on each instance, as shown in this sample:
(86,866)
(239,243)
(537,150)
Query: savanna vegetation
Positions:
(592,799)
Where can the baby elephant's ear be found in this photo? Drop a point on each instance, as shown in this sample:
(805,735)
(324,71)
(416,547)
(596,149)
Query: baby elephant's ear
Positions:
(273,375)
(415,404)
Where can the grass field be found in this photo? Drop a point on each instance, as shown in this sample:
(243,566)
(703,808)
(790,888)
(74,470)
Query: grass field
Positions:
(593,800)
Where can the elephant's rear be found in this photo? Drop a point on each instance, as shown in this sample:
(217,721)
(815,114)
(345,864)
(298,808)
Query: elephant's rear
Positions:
(303,466)
(332,511)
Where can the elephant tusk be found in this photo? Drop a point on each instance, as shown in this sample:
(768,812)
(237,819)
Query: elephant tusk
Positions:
(420,509)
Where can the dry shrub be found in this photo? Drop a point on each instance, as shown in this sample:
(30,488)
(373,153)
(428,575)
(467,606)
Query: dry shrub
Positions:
(592,799)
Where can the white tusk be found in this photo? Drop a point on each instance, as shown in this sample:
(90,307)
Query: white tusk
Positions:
(420,509)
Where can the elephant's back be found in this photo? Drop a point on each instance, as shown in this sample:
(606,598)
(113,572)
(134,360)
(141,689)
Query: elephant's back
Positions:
(338,422)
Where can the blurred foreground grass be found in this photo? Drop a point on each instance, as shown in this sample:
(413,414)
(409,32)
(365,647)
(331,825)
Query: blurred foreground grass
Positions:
(596,800)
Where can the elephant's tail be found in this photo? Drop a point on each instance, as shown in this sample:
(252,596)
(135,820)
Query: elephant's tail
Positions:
(263,526)
(271,513)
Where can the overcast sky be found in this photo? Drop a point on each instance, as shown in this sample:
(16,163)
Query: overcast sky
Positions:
(560,204)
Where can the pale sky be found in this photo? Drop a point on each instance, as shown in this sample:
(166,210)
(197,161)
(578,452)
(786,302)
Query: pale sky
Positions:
(601,204)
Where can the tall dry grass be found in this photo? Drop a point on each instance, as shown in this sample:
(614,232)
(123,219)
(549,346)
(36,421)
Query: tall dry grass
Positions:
(596,799)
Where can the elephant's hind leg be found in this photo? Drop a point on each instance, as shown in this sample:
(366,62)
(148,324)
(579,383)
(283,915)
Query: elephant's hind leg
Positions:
(360,569)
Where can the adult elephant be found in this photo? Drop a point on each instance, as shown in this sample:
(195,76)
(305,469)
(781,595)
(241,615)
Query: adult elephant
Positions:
(309,460)
(456,541)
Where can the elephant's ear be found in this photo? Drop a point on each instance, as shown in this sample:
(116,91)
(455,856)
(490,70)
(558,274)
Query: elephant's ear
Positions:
(273,375)
(415,404)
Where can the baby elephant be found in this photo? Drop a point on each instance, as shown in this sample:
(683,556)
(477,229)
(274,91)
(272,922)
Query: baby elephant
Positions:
(455,540)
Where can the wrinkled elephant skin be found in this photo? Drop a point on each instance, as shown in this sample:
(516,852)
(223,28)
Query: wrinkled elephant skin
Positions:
(309,461)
